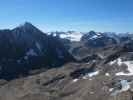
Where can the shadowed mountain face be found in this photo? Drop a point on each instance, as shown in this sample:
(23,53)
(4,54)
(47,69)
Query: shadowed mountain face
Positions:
(25,48)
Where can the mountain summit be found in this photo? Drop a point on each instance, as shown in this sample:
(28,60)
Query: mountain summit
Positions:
(27,26)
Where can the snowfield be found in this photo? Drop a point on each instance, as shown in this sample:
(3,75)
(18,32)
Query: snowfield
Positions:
(75,36)
(125,86)
(129,65)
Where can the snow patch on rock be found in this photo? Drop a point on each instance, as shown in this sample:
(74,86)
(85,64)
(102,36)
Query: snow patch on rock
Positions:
(94,37)
(75,80)
(112,62)
(118,61)
(89,75)
(75,36)
(130,69)
(107,74)
(125,86)
(31,52)
(129,65)
(111,89)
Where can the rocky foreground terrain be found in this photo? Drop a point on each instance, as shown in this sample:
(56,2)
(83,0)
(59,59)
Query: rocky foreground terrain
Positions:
(65,66)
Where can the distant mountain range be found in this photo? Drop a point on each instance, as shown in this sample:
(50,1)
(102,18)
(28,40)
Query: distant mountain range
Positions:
(94,36)
(26,48)
(65,65)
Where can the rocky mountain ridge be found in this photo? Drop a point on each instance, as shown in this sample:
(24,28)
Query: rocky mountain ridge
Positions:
(63,66)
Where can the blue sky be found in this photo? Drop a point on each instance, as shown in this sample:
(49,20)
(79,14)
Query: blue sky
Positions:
(63,15)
